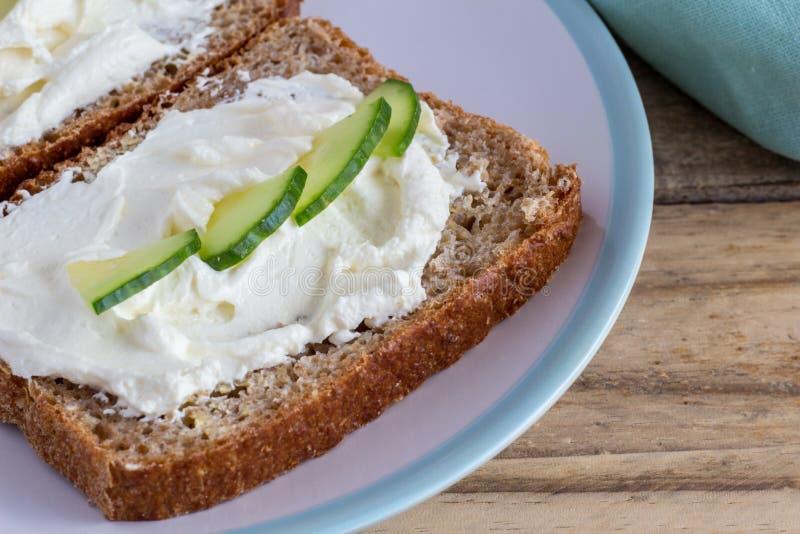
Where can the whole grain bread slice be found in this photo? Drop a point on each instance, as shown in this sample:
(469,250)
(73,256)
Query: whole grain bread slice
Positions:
(499,247)
(232,23)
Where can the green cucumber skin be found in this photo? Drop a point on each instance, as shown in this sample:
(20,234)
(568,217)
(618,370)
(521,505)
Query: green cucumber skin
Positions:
(377,129)
(265,227)
(412,130)
(148,278)
(384,150)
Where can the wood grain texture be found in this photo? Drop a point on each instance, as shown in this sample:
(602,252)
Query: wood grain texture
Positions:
(699,158)
(687,418)
(632,512)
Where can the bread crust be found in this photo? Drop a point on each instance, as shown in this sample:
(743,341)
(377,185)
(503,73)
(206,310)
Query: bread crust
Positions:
(432,338)
(90,125)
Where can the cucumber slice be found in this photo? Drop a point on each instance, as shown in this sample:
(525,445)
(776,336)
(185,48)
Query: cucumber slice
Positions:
(242,220)
(406,110)
(338,155)
(104,284)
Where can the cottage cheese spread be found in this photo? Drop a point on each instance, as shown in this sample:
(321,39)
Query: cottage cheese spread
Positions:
(59,55)
(360,259)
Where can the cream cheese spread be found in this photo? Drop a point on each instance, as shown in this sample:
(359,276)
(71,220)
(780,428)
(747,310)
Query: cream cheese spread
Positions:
(361,259)
(59,55)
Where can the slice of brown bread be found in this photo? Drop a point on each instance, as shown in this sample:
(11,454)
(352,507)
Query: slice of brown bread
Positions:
(498,248)
(233,24)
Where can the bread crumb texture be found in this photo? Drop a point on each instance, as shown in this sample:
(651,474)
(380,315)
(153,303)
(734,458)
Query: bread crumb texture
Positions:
(499,246)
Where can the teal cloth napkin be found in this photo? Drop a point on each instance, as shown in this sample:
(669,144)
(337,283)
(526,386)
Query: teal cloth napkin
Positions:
(739,58)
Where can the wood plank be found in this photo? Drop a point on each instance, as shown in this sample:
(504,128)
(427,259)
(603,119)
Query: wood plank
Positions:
(733,469)
(716,307)
(690,511)
(699,158)
(702,340)
(722,245)
(607,421)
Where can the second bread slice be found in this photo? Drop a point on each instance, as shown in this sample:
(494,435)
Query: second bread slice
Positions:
(232,24)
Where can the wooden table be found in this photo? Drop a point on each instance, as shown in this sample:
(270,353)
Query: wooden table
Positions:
(688,418)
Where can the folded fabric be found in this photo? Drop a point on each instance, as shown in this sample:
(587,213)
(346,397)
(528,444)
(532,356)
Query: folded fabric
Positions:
(739,58)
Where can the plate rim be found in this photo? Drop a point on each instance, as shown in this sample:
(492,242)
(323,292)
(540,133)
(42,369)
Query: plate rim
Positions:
(597,309)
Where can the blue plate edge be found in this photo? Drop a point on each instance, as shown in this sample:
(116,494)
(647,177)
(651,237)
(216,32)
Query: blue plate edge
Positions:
(615,271)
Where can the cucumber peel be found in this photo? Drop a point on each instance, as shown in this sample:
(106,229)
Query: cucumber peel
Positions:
(105,283)
(406,110)
(338,155)
(242,220)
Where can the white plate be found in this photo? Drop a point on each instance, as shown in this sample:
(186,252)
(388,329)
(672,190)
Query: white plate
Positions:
(556,75)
